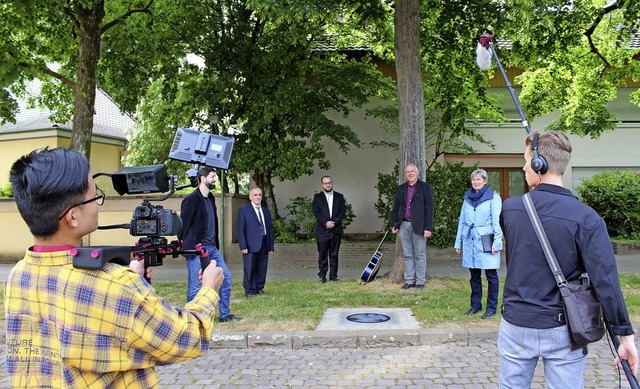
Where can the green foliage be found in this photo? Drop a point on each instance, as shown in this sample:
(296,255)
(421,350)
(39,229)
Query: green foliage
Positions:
(6,192)
(386,186)
(260,74)
(284,232)
(575,56)
(615,195)
(449,182)
(301,222)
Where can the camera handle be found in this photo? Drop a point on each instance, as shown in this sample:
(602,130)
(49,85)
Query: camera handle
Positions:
(151,250)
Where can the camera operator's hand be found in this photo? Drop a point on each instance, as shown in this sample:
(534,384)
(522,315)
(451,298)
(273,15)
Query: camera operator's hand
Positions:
(138,267)
(212,276)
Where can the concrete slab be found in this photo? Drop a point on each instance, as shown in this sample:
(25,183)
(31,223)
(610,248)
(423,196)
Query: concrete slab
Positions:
(372,319)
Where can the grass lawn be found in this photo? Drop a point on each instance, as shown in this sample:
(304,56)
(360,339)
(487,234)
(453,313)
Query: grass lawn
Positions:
(300,304)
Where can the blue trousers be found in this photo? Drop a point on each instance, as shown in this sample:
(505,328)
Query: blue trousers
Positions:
(520,348)
(193,281)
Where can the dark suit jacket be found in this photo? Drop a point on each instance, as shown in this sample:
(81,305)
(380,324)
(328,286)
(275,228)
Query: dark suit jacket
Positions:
(321,212)
(193,212)
(249,230)
(421,207)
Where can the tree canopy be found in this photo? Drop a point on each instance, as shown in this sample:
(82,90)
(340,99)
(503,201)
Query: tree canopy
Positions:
(58,42)
(263,73)
(575,55)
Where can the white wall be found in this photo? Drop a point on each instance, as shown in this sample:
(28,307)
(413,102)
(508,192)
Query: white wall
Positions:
(354,174)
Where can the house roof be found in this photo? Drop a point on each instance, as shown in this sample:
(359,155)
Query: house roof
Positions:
(108,121)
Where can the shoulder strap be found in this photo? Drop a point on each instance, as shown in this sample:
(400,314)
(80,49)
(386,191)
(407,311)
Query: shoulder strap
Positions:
(544,242)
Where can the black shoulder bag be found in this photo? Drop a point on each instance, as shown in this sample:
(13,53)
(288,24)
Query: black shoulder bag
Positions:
(582,310)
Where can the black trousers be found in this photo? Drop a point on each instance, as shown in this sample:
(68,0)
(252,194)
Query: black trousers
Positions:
(255,269)
(328,248)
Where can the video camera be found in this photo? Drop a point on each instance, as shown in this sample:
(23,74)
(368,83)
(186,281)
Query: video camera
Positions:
(151,222)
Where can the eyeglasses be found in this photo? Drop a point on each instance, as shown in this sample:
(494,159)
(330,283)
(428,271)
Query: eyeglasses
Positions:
(99,199)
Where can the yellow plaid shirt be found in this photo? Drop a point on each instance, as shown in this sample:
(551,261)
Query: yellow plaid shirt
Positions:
(75,328)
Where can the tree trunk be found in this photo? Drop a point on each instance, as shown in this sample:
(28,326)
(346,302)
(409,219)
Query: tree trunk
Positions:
(89,21)
(263,181)
(410,100)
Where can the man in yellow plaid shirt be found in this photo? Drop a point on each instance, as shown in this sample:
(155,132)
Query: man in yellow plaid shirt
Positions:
(78,328)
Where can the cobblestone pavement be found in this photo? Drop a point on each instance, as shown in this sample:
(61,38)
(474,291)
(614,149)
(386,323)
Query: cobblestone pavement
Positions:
(451,366)
(435,366)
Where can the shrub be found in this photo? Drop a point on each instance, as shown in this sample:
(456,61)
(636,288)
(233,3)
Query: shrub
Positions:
(449,183)
(301,222)
(615,196)
(6,192)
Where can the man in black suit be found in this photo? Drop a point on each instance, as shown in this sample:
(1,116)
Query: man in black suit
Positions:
(200,225)
(412,216)
(329,210)
(255,237)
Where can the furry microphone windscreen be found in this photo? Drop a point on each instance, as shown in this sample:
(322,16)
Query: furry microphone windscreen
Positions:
(483,57)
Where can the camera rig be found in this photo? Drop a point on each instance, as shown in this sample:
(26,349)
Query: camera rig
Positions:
(152,222)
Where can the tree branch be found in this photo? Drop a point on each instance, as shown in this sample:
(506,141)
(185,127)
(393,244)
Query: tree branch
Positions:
(124,16)
(70,83)
(596,22)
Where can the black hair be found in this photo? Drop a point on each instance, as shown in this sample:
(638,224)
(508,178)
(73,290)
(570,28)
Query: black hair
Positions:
(204,171)
(46,182)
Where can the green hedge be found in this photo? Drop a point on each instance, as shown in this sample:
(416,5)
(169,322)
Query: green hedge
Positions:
(615,195)
(6,192)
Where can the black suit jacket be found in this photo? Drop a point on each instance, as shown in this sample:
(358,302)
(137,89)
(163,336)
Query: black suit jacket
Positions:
(421,207)
(193,213)
(321,212)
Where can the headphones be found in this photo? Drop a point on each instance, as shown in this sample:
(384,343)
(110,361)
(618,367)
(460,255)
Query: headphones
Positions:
(538,162)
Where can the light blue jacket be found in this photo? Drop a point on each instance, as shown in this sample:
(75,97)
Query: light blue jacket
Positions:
(485,219)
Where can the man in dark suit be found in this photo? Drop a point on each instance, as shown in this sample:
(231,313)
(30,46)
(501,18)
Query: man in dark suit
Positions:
(200,225)
(412,216)
(329,210)
(256,240)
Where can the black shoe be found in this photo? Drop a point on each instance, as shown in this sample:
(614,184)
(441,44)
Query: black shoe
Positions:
(471,312)
(488,315)
(261,291)
(322,280)
(335,280)
(231,317)
(420,286)
(408,286)
(250,295)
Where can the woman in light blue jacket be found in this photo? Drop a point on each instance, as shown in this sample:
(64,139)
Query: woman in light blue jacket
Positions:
(480,223)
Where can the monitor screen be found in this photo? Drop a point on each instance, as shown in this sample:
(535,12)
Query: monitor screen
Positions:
(202,148)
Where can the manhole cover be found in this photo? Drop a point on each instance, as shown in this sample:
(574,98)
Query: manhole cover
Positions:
(368,318)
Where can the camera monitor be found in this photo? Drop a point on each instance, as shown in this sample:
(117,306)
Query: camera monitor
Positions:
(141,179)
(202,148)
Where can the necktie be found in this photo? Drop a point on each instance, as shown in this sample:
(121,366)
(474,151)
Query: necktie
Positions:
(259,210)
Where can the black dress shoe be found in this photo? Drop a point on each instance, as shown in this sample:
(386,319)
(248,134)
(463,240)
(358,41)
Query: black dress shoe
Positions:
(322,280)
(250,295)
(408,286)
(488,315)
(420,286)
(471,312)
(335,280)
(229,318)
(261,291)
